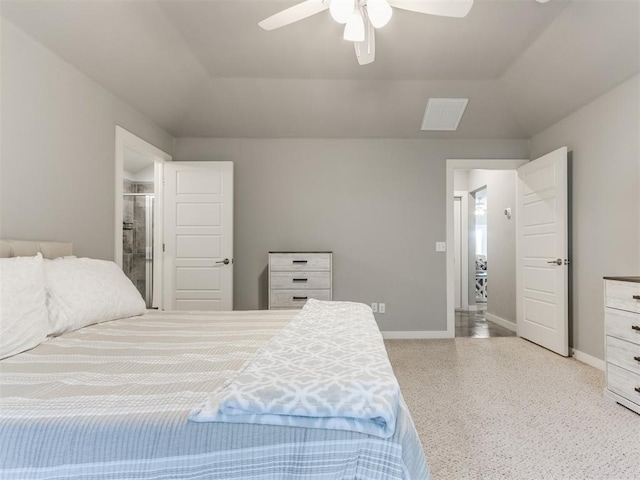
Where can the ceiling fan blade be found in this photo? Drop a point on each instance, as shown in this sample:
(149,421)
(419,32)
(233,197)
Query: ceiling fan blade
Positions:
(444,8)
(295,13)
(366,50)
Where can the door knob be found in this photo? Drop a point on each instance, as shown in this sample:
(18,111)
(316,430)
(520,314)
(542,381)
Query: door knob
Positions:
(225,261)
(557,261)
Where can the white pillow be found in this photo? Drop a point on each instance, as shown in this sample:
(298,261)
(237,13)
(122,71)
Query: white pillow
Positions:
(24,322)
(84,291)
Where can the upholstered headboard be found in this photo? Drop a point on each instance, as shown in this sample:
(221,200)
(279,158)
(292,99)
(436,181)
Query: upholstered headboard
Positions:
(28,248)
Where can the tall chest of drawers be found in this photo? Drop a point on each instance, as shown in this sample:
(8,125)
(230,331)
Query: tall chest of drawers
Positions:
(295,277)
(622,340)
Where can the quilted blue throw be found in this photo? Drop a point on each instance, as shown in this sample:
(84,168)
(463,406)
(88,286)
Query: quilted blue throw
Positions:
(327,369)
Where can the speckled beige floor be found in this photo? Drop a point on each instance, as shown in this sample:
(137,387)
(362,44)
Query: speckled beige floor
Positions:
(503,408)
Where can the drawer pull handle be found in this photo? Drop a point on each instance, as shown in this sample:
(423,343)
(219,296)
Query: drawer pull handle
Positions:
(637,389)
(300,280)
(636,327)
(300,298)
(636,297)
(300,261)
(637,359)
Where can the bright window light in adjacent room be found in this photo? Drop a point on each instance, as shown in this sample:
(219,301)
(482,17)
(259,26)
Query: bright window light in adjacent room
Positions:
(380,12)
(341,10)
(354,29)
(481,221)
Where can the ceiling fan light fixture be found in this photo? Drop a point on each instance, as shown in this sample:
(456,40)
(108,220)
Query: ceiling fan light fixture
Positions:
(354,29)
(341,10)
(380,12)
(362,17)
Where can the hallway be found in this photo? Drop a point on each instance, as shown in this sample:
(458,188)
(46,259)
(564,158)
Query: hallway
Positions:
(475,325)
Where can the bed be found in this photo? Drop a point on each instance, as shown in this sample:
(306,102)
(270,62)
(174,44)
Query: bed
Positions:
(113,400)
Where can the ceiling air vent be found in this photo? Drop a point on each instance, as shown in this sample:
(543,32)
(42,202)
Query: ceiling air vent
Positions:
(444,114)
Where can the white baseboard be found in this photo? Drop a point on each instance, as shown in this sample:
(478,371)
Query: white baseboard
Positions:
(501,321)
(395,334)
(588,359)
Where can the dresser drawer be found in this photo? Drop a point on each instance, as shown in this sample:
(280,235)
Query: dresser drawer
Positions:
(295,298)
(295,262)
(623,382)
(620,295)
(618,323)
(300,280)
(623,354)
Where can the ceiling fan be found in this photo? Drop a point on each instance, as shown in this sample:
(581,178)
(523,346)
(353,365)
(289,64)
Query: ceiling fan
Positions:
(362,17)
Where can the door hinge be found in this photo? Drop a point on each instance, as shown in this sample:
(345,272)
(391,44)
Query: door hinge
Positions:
(163,247)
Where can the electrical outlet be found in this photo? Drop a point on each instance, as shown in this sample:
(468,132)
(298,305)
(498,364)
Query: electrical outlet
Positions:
(374,307)
(441,246)
(382,308)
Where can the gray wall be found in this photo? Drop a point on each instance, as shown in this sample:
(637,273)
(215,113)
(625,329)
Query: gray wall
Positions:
(57,170)
(379,205)
(604,137)
(501,239)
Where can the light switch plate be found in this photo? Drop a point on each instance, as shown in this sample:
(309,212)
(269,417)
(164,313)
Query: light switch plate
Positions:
(441,246)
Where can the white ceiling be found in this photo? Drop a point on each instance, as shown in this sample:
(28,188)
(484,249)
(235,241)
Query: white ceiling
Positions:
(203,68)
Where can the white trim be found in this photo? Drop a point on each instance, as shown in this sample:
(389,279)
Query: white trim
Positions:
(126,139)
(474,308)
(588,359)
(501,321)
(417,334)
(158,234)
(464,236)
(452,165)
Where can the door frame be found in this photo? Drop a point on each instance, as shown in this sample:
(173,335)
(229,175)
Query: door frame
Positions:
(125,139)
(464,248)
(451,166)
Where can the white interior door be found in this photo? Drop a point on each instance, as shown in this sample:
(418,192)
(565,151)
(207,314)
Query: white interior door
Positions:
(542,252)
(457,248)
(198,235)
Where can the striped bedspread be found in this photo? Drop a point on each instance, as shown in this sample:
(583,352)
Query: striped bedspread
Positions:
(112,401)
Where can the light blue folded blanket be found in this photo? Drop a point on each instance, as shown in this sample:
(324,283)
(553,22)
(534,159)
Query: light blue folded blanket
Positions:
(327,369)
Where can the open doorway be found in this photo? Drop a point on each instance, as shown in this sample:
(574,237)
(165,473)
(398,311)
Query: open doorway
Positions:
(479,182)
(138,202)
(138,214)
(491,267)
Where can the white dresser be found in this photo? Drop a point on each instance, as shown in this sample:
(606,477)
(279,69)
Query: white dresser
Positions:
(622,340)
(294,277)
